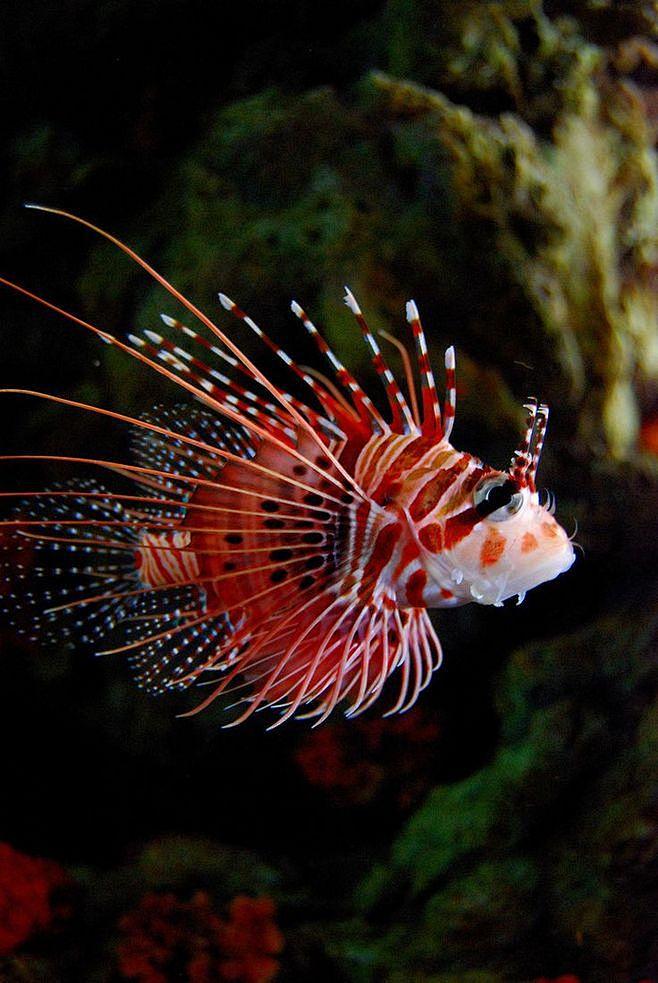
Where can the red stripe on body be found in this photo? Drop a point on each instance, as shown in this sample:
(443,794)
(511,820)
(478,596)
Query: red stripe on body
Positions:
(160,562)
(409,554)
(431,493)
(431,536)
(415,587)
(407,458)
(382,551)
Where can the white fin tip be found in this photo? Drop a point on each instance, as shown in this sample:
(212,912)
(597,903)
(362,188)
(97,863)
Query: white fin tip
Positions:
(350,300)
(226,302)
(169,321)
(450,357)
(412,311)
(296,308)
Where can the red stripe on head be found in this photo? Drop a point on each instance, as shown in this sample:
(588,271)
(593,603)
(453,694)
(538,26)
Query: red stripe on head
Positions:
(382,551)
(459,526)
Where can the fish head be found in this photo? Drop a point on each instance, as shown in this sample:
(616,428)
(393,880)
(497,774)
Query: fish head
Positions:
(500,543)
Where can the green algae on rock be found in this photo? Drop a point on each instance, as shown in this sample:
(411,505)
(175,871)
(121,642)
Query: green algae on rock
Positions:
(566,174)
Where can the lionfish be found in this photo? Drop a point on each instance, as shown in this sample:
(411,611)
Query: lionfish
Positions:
(281,551)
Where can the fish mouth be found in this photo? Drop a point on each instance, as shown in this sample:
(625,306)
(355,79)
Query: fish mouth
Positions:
(495,591)
(556,563)
(468,586)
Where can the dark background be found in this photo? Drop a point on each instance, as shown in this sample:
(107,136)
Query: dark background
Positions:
(239,147)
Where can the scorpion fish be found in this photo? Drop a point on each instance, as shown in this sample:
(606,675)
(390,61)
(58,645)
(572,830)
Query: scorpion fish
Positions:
(283,550)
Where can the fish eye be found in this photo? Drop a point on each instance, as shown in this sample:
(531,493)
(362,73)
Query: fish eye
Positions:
(497,498)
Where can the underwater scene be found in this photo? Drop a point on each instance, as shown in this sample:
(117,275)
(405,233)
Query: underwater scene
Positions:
(329,491)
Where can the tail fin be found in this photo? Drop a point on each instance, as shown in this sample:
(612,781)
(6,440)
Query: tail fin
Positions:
(69,570)
(61,549)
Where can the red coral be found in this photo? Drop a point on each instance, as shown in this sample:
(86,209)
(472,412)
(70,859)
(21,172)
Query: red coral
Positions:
(567,978)
(354,761)
(27,887)
(166,938)
(327,762)
(250,938)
